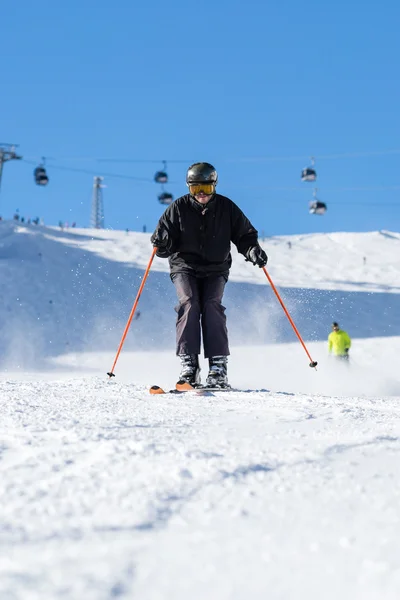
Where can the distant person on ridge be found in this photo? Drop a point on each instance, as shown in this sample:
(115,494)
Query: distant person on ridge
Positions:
(339,342)
(195,233)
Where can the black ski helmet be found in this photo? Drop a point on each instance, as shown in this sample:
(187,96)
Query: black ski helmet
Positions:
(201,172)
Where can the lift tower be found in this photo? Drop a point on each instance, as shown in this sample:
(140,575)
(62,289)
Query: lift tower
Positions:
(7,152)
(97,217)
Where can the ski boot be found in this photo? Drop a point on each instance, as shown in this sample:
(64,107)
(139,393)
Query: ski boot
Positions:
(217,375)
(190,371)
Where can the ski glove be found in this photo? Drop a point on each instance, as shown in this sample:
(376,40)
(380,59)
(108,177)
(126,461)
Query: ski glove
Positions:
(257,256)
(162,253)
(160,241)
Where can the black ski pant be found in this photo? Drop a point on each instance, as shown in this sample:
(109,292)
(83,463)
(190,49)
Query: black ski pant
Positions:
(200,311)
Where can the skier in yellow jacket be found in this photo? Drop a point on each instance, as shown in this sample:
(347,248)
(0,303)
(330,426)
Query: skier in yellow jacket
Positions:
(339,342)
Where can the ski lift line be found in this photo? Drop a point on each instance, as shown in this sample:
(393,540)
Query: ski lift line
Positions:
(59,167)
(366,204)
(331,202)
(77,158)
(265,158)
(233,160)
(269,189)
(139,160)
(319,156)
(326,189)
(364,189)
(97,159)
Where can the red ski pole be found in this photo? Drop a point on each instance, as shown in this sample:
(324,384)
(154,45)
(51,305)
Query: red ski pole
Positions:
(111,373)
(312,363)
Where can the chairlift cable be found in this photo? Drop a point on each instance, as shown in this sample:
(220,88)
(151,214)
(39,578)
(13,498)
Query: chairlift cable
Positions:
(77,170)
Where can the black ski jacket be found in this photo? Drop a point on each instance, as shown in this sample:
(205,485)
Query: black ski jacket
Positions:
(197,238)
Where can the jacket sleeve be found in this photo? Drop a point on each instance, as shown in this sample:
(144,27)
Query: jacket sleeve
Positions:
(329,343)
(166,234)
(243,235)
(347,341)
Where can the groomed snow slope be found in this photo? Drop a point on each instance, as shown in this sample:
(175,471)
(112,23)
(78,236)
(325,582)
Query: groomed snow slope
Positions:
(287,489)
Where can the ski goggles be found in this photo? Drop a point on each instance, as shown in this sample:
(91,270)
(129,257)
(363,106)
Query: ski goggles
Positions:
(206,188)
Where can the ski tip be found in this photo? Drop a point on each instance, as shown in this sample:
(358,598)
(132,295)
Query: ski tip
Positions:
(155,389)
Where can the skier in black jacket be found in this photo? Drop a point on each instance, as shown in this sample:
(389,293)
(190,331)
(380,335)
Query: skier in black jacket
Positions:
(195,233)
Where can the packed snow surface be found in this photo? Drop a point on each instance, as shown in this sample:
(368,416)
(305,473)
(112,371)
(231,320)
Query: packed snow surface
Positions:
(286,487)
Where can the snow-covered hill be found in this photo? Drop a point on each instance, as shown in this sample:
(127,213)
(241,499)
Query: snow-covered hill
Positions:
(73,290)
(286,489)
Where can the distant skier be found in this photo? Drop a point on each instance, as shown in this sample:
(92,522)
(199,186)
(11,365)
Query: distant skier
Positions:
(339,342)
(195,233)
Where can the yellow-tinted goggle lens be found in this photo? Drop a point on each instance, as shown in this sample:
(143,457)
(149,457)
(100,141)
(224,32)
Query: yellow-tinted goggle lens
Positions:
(206,188)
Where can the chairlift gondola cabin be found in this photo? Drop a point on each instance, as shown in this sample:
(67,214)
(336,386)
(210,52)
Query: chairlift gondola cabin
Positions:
(165,198)
(318,208)
(309,173)
(40,175)
(162,176)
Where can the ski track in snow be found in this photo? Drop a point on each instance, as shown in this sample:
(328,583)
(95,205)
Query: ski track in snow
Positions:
(107,491)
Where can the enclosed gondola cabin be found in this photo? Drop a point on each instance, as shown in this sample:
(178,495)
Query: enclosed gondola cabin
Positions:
(308,174)
(161,177)
(318,208)
(165,198)
(40,175)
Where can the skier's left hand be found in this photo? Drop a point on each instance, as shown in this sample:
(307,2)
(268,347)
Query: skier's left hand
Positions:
(257,256)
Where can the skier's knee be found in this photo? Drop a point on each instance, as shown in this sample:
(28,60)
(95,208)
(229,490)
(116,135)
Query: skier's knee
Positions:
(186,305)
(213,305)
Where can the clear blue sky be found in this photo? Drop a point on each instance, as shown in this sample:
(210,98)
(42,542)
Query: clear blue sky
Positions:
(233,83)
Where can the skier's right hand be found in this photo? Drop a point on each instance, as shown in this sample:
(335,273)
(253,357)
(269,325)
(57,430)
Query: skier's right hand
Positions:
(160,241)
